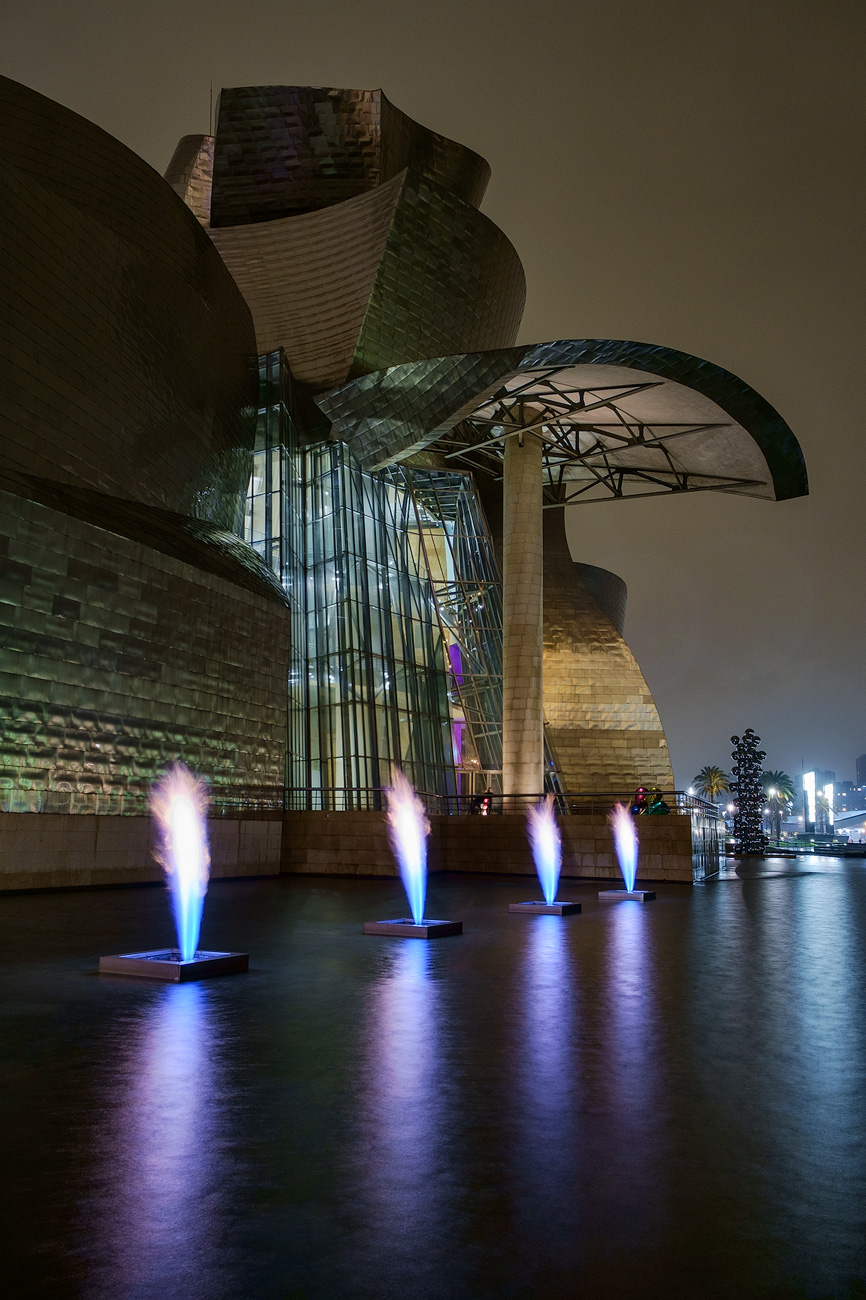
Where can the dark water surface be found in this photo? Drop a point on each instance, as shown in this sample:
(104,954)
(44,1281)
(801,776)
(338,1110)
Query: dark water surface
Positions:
(662,1100)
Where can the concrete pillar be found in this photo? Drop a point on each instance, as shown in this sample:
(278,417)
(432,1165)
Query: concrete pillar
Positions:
(522,639)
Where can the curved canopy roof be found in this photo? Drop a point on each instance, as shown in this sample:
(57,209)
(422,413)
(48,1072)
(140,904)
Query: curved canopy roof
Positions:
(617,419)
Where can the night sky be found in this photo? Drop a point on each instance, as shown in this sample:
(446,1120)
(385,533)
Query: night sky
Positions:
(669,171)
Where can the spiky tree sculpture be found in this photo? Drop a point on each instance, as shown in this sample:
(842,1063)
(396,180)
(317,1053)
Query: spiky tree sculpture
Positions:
(748,792)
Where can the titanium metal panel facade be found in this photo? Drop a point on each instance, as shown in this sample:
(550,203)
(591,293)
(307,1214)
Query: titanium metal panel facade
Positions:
(449,281)
(136,627)
(282,150)
(308,279)
(602,722)
(116,658)
(234,531)
(124,342)
(352,231)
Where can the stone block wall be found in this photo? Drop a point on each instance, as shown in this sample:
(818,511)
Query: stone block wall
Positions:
(51,851)
(357,844)
(336,843)
(499,845)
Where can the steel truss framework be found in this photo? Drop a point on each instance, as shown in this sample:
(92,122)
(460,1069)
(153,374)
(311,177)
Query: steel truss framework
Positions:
(593,448)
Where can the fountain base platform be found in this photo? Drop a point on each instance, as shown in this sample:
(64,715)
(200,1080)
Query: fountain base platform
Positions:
(540,908)
(407,929)
(619,895)
(167,964)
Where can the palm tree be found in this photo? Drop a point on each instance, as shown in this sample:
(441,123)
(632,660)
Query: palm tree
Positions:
(710,782)
(779,793)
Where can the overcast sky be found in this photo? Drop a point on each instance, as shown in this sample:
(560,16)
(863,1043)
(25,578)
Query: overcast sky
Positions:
(669,171)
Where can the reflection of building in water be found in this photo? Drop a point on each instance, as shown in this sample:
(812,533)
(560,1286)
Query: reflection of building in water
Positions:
(246,443)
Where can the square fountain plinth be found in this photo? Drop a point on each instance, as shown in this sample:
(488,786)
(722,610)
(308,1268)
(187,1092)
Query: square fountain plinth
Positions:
(540,908)
(167,964)
(620,895)
(406,928)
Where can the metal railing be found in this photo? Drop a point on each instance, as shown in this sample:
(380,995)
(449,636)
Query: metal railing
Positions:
(231,800)
(319,799)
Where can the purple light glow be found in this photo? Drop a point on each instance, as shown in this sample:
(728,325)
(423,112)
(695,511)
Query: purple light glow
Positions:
(456,657)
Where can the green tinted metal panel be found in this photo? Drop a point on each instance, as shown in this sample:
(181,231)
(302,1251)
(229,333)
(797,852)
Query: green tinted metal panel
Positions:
(449,281)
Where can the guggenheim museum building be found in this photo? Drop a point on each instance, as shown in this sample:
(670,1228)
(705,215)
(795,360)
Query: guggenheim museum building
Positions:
(280,493)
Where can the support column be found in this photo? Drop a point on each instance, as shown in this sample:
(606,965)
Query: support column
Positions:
(523,629)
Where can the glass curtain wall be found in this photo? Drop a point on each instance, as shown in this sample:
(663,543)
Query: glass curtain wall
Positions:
(455,547)
(376,665)
(368,686)
(396,600)
(273,526)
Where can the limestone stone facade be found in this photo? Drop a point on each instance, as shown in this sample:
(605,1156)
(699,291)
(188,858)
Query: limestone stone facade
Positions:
(522,646)
(59,850)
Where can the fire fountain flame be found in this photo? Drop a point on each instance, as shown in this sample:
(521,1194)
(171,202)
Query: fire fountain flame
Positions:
(546,845)
(408,828)
(625,839)
(178,803)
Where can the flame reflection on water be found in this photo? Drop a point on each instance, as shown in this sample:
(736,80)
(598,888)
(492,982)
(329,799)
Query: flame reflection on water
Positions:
(160,1184)
(549,1032)
(405,1120)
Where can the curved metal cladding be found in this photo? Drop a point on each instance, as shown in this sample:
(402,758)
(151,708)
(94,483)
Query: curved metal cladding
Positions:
(394,274)
(308,279)
(397,412)
(124,342)
(282,150)
(190,174)
(601,719)
(607,590)
(117,657)
(134,627)
(448,281)
(352,231)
